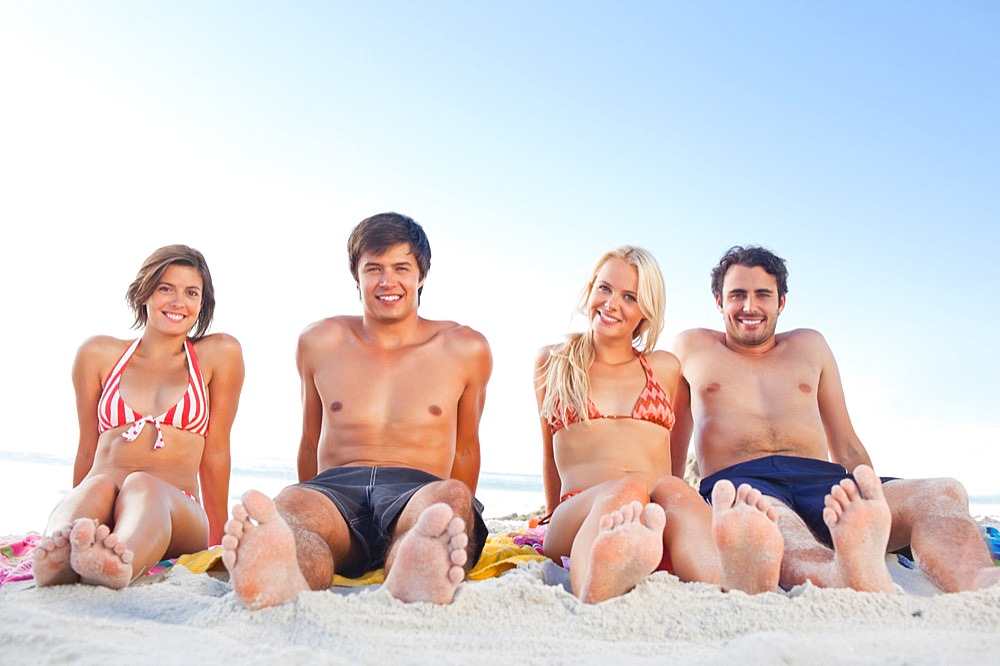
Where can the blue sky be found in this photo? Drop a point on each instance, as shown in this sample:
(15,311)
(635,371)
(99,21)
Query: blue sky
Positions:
(856,139)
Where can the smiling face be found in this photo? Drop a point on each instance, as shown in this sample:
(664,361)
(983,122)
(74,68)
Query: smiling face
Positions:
(389,283)
(613,305)
(750,306)
(175,303)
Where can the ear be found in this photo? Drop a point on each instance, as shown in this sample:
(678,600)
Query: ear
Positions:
(718,302)
(781,302)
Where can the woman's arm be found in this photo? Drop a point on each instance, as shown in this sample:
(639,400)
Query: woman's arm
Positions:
(551,482)
(87,386)
(224,357)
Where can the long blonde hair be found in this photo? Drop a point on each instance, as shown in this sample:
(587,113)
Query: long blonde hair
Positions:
(565,373)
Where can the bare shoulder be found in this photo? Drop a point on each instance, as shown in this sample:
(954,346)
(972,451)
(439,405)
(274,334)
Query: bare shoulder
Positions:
(100,347)
(219,346)
(804,338)
(96,356)
(460,339)
(664,364)
(331,330)
(544,354)
(696,339)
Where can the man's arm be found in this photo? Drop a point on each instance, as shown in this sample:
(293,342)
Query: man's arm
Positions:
(845,446)
(312,411)
(479,360)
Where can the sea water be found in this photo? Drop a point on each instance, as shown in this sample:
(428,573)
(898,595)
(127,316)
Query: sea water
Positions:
(31,484)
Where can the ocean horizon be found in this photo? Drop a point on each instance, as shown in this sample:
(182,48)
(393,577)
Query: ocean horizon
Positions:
(35,482)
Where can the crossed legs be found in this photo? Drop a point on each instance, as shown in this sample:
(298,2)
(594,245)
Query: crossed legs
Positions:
(859,519)
(276,549)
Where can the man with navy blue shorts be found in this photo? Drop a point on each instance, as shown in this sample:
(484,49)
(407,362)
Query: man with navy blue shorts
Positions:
(768,409)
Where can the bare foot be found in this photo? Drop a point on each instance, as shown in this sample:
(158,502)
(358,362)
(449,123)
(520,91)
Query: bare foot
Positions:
(859,520)
(428,562)
(747,538)
(628,547)
(259,552)
(98,556)
(50,561)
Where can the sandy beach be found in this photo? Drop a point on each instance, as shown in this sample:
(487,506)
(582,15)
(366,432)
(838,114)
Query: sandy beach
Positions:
(525,615)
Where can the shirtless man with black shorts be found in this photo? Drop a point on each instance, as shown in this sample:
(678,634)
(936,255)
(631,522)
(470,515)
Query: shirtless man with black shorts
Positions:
(768,409)
(388,461)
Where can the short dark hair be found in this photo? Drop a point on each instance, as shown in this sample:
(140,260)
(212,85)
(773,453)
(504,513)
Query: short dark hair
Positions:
(750,255)
(378,233)
(151,273)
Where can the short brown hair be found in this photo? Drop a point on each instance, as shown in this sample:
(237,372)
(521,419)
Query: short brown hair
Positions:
(151,273)
(378,233)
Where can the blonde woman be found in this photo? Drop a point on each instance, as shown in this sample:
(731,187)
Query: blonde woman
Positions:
(606,401)
(151,478)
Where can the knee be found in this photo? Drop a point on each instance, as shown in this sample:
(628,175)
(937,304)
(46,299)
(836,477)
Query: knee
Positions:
(101,484)
(672,492)
(630,488)
(454,493)
(98,492)
(947,495)
(927,497)
(613,495)
(140,482)
(293,500)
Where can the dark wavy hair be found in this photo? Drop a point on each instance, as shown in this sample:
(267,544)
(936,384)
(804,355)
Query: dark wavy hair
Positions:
(151,273)
(750,255)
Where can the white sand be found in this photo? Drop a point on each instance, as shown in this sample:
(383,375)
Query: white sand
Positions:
(524,616)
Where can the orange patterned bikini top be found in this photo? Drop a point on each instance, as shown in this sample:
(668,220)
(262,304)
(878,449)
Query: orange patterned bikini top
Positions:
(652,405)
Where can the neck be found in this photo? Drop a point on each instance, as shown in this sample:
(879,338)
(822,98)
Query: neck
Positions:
(156,344)
(613,353)
(390,335)
(751,350)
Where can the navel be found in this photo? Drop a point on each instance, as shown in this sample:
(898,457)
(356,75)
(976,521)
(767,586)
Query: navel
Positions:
(435,410)
(336,406)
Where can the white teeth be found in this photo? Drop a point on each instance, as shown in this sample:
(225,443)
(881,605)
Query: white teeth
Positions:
(174,316)
(389,298)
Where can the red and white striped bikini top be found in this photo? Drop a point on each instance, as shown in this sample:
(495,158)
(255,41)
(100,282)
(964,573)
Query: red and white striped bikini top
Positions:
(190,413)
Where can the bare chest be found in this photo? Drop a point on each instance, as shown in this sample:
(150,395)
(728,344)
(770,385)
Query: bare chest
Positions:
(759,387)
(401,390)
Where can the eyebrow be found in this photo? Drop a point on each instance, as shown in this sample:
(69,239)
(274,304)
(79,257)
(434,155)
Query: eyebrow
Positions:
(740,290)
(605,283)
(175,286)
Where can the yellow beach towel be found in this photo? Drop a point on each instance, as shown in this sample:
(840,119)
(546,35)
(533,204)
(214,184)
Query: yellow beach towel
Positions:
(501,552)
